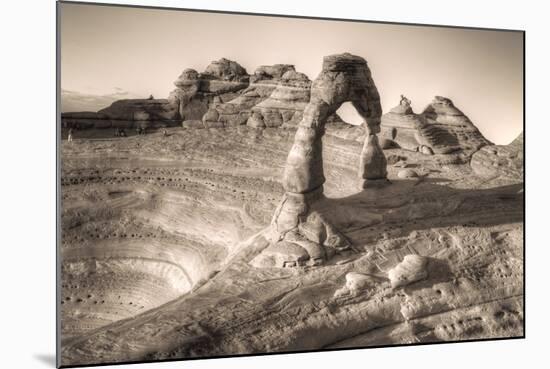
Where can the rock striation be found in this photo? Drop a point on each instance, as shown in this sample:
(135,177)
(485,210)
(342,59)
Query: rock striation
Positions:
(224,95)
(440,129)
(448,129)
(298,224)
(195,92)
(500,160)
(238,110)
(285,105)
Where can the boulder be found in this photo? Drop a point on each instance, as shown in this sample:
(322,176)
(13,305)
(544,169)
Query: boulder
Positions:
(407,173)
(413,268)
(355,283)
(373,163)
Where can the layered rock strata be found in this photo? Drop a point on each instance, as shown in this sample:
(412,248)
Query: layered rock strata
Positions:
(297,223)
(500,160)
(237,111)
(440,129)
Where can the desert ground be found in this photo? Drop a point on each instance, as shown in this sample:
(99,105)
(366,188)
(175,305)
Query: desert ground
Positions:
(159,233)
(165,235)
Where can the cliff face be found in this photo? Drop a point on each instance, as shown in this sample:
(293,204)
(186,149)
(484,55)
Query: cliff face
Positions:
(196,92)
(237,111)
(286,103)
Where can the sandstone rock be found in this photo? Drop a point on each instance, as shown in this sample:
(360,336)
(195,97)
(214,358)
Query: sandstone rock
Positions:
(372,161)
(226,70)
(440,129)
(386,143)
(237,111)
(426,150)
(255,121)
(287,101)
(197,92)
(148,112)
(518,142)
(333,86)
(407,173)
(355,283)
(413,268)
(344,77)
(127,113)
(276,71)
(500,160)
(84,120)
(392,159)
(281,254)
(402,126)
(193,124)
(448,129)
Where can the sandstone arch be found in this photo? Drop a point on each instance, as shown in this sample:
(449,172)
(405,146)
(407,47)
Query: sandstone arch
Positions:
(299,233)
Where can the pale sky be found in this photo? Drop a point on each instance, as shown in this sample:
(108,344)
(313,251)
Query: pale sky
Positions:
(107,50)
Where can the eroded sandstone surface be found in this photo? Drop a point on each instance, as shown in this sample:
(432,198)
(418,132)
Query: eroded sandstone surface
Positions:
(165,236)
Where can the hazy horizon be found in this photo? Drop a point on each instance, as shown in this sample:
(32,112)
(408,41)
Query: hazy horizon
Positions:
(109,51)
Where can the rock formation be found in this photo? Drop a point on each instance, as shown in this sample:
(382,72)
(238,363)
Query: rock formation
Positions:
(500,160)
(411,269)
(219,83)
(355,284)
(84,120)
(372,165)
(299,231)
(285,105)
(440,129)
(403,126)
(128,113)
(448,129)
(141,112)
(162,237)
(224,95)
(237,111)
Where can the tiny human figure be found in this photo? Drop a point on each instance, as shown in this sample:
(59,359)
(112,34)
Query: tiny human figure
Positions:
(164,133)
(151,97)
(404,101)
(139,131)
(70,136)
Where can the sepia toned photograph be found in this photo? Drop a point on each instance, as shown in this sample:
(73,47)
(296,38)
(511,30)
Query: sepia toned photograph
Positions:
(242,184)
